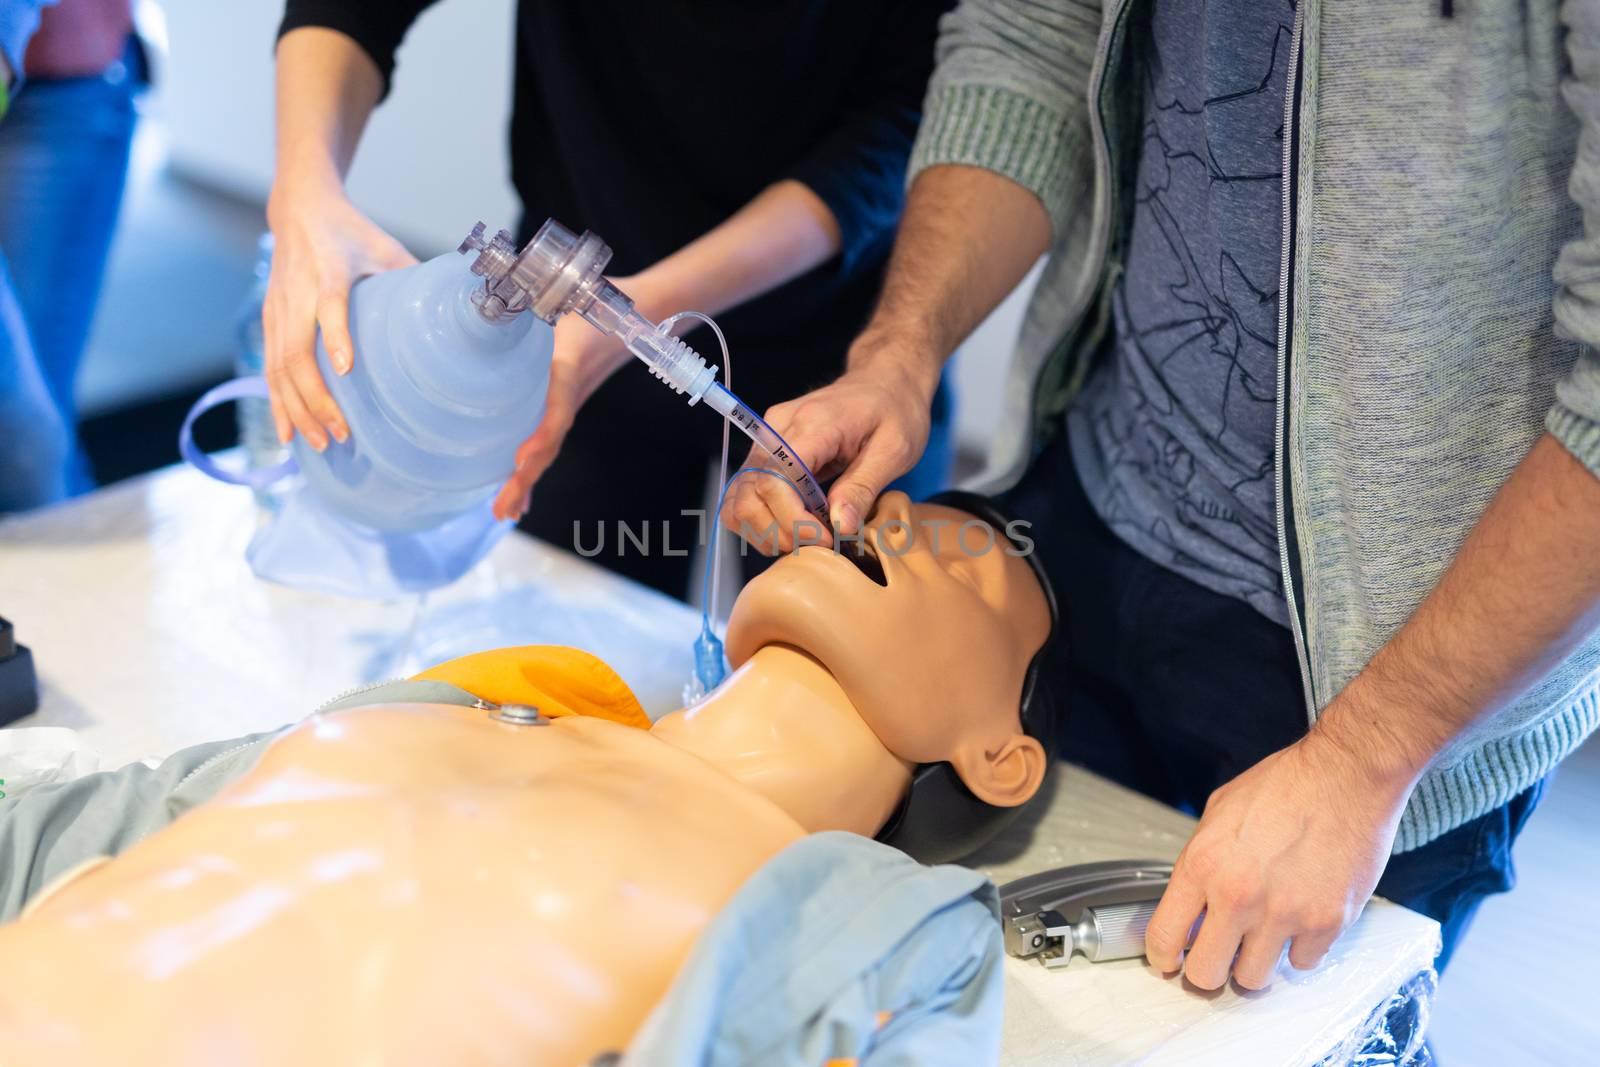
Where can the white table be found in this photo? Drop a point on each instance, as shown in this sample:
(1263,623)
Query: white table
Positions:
(1125,1012)
(150,633)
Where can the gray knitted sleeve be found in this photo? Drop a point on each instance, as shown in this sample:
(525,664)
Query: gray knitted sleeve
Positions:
(1010,94)
(1574,419)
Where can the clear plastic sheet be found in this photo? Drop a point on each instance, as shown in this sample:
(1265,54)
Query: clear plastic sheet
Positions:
(1396,1034)
(31,756)
(150,632)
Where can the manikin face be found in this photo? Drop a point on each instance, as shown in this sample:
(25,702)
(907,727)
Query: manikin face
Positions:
(933,655)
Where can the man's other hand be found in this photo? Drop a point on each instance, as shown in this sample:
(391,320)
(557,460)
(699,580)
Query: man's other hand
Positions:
(1286,853)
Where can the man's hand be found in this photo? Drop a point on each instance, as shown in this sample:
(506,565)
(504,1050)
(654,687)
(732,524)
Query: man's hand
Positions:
(584,358)
(967,238)
(871,425)
(1291,849)
(1288,852)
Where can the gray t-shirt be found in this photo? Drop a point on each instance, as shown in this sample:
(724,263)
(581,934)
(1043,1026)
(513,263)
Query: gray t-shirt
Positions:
(1173,436)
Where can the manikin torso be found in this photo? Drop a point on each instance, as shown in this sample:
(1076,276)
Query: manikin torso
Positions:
(424,884)
(417,884)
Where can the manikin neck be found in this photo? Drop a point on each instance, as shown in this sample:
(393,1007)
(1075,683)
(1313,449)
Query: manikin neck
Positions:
(782,726)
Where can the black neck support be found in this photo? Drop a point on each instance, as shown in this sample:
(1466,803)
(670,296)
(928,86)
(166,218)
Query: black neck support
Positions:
(940,819)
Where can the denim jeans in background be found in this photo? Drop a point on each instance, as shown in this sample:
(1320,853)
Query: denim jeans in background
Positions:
(63,161)
(33,439)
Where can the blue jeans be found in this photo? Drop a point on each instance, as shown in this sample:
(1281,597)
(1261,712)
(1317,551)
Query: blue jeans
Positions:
(63,161)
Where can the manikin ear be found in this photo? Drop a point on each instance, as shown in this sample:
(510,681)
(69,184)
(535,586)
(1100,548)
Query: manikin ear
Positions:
(1004,777)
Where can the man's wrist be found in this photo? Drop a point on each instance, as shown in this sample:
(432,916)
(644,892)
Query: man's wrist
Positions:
(1379,733)
(908,357)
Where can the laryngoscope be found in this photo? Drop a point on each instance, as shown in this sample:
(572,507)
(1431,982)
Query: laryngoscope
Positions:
(558,272)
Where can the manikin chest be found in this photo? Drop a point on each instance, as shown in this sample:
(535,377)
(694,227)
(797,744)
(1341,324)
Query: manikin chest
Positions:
(397,884)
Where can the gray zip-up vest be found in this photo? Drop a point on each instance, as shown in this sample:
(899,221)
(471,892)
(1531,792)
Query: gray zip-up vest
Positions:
(1422,346)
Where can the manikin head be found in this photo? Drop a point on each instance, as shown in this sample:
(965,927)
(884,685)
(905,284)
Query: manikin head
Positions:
(934,652)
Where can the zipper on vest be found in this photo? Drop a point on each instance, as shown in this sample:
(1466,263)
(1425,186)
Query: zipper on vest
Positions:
(1100,239)
(1097,128)
(1285,298)
(353,691)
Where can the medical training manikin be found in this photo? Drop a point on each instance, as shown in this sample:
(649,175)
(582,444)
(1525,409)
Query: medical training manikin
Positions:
(431,873)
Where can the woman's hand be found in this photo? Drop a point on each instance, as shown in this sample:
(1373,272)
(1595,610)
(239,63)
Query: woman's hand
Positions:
(584,358)
(322,246)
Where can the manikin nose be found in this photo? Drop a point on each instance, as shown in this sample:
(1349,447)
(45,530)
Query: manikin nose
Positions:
(890,526)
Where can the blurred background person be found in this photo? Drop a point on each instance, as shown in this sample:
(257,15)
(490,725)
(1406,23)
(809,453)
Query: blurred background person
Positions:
(70,71)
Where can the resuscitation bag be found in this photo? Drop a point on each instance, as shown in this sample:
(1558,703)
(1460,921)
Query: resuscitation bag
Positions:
(437,401)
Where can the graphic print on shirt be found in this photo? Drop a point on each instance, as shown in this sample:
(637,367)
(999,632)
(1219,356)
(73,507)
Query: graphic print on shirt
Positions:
(1174,435)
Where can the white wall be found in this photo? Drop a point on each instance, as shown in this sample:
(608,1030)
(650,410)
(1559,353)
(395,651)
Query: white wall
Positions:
(432,162)
(982,364)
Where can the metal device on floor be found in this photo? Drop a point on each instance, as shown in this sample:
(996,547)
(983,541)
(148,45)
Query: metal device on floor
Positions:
(1095,910)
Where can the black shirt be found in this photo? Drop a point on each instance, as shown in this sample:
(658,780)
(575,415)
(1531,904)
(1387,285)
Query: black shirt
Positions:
(651,122)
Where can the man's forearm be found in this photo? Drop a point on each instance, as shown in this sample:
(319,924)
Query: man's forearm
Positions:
(327,88)
(968,237)
(1520,595)
(783,232)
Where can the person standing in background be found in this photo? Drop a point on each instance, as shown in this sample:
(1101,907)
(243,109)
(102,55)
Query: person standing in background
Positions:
(740,158)
(66,125)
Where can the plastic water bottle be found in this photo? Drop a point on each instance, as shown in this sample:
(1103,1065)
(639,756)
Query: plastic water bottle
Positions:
(438,399)
(257,436)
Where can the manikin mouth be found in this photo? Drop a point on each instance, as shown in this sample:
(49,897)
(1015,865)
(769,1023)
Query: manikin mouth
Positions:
(866,560)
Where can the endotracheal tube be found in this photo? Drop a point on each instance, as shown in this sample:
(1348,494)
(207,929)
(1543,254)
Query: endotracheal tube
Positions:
(559,272)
